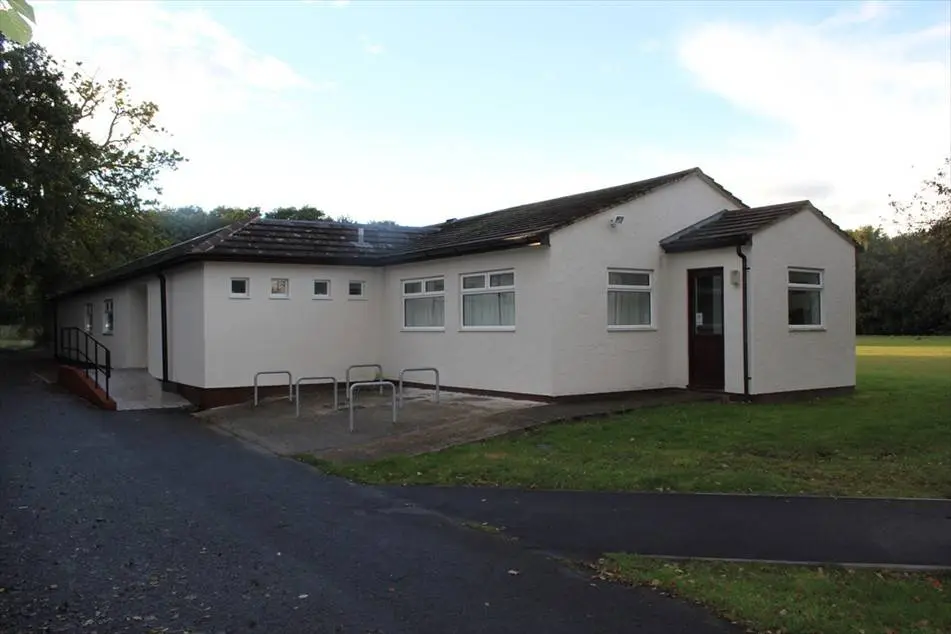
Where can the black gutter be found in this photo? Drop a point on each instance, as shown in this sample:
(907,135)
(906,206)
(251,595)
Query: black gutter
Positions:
(163,302)
(746,325)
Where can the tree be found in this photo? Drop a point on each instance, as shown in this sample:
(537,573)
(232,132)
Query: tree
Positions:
(903,282)
(71,204)
(298,213)
(16,21)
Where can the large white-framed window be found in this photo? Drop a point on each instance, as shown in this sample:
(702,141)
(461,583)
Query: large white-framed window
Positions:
(424,304)
(630,299)
(240,288)
(488,300)
(356,289)
(321,289)
(804,292)
(108,317)
(87,322)
(280,288)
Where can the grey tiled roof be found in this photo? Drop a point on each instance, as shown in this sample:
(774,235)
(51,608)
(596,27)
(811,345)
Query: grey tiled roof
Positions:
(326,242)
(541,217)
(733,227)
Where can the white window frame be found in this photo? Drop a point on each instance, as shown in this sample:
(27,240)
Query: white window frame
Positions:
(797,286)
(424,293)
(285,295)
(247,288)
(484,290)
(108,308)
(628,288)
(363,291)
(314,294)
(89,317)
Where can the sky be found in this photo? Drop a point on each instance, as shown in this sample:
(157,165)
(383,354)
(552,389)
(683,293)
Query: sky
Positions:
(421,111)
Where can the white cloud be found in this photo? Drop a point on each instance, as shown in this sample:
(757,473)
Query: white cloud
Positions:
(371,47)
(859,115)
(863,12)
(206,82)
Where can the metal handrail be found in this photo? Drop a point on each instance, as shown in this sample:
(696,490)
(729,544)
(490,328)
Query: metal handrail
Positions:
(314,379)
(290,383)
(71,352)
(352,388)
(379,374)
(405,370)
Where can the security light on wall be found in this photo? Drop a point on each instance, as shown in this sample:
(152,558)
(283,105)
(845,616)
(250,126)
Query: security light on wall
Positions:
(616,220)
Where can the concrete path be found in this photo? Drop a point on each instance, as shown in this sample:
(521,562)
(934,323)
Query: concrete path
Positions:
(151,522)
(797,529)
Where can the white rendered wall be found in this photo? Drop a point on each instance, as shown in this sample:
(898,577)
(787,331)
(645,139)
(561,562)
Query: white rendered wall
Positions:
(71,312)
(309,337)
(187,352)
(587,357)
(517,360)
(785,359)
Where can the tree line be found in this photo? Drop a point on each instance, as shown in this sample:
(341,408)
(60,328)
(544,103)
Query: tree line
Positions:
(903,281)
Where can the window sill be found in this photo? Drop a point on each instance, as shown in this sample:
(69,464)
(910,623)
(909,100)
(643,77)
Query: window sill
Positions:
(278,297)
(487,329)
(807,329)
(239,297)
(632,328)
(422,329)
(106,334)
(322,297)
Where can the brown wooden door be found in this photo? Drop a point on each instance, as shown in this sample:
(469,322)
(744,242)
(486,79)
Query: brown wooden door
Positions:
(705,343)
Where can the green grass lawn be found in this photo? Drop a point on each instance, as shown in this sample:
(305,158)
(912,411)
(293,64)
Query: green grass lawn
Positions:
(15,344)
(891,438)
(799,599)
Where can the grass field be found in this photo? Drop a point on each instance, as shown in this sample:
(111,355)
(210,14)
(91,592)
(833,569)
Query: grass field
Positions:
(892,438)
(799,599)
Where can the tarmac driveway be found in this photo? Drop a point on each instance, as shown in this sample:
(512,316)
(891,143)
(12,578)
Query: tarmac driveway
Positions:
(150,522)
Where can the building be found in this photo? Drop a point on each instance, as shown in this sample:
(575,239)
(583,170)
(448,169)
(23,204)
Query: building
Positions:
(670,282)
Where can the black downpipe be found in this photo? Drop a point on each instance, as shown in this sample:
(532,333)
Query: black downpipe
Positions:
(746,323)
(56,342)
(163,302)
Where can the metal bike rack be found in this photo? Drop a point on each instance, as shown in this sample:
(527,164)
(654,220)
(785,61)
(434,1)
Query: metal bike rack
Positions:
(313,379)
(353,387)
(290,383)
(379,371)
(405,370)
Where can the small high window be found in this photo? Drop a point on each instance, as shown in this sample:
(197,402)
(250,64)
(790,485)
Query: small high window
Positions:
(804,290)
(280,288)
(321,289)
(108,317)
(356,289)
(87,323)
(240,287)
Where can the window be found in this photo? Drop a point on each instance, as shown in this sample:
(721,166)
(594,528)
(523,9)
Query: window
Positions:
(488,300)
(805,298)
(629,299)
(424,303)
(87,324)
(356,289)
(280,288)
(321,289)
(107,317)
(240,287)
